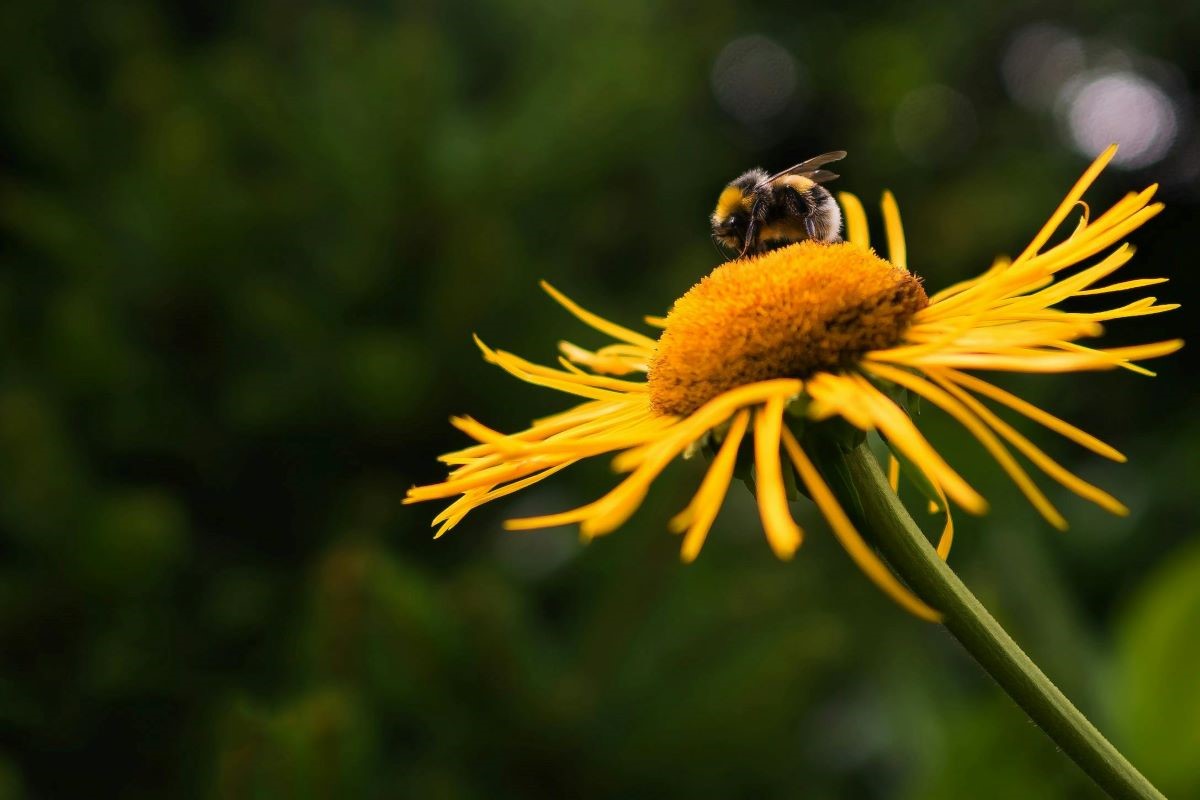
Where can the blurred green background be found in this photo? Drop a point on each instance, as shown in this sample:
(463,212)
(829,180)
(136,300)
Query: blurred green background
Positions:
(243,250)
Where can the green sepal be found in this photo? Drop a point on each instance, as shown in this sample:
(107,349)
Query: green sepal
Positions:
(797,407)
(791,482)
(744,469)
(743,465)
(800,427)
(908,400)
(835,429)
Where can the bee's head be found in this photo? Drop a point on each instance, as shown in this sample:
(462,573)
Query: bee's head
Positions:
(731,218)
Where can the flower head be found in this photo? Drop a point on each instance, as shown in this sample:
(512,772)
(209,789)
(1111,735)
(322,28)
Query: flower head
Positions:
(791,313)
(763,353)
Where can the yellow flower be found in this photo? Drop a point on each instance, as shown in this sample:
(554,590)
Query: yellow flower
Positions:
(766,349)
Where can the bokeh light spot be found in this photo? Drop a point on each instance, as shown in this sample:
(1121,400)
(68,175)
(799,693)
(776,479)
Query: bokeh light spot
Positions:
(754,78)
(1039,60)
(1121,107)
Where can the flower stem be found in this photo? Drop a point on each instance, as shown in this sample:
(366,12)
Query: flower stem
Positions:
(855,477)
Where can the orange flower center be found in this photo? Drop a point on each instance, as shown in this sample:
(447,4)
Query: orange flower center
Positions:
(786,314)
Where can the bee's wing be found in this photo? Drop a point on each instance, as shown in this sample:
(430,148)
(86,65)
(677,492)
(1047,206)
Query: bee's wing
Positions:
(810,168)
(821,176)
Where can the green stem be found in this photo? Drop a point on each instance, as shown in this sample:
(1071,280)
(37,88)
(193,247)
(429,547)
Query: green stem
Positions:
(854,475)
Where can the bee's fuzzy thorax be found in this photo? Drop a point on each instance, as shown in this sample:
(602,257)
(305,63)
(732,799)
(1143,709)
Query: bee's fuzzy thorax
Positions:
(751,178)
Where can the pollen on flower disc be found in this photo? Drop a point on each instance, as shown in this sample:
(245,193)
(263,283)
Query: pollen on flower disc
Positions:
(788,313)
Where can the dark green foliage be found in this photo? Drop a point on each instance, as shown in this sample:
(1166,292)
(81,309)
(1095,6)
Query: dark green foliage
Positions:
(243,249)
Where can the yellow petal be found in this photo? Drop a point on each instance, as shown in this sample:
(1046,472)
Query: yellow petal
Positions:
(782,531)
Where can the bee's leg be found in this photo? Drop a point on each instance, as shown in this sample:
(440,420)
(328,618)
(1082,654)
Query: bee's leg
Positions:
(801,205)
(758,215)
(810,217)
(751,235)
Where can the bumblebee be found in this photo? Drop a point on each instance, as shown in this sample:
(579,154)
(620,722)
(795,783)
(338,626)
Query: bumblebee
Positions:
(758,212)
